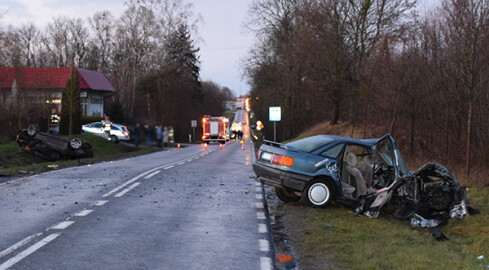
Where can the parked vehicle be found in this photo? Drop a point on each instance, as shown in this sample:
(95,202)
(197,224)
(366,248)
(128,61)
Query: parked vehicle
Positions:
(215,129)
(52,147)
(364,174)
(117,132)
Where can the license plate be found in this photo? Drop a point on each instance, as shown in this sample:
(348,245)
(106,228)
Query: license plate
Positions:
(266,156)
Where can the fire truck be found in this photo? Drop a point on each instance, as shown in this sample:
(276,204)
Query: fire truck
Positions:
(215,129)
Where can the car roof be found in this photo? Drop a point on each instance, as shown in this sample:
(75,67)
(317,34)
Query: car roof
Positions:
(341,139)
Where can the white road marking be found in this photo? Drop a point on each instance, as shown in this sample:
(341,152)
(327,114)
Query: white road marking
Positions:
(259,205)
(28,251)
(125,184)
(83,213)
(262,228)
(258,189)
(151,174)
(100,203)
(122,193)
(264,246)
(260,215)
(62,225)
(259,197)
(265,263)
(180,163)
(18,245)
(257,184)
(169,167)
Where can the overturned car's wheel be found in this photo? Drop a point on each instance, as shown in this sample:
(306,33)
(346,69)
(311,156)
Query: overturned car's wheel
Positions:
(76,143)
(286,195)
(318,193)
(32,130)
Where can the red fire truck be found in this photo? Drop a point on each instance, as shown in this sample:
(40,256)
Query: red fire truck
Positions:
(215,129)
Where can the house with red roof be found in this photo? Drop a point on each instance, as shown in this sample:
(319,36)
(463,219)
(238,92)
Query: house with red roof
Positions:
(46,84)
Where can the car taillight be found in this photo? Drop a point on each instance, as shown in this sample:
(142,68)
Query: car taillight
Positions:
(283,160)
(258,154)
(126,134)
(17,138)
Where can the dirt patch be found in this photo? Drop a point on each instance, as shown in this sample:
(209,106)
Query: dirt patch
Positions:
(290,226)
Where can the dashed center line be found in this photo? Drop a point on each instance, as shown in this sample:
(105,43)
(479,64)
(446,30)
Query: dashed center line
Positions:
(151,174)
(180,163)
(168,167)
(100,203)
(265,263)
(62,225)
(83,213)
(28,251)
(259,197)
(262,228)
(18,244)
(122,193)
(260,215)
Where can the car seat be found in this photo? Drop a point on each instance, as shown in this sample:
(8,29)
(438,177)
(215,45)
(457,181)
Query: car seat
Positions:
(354,172)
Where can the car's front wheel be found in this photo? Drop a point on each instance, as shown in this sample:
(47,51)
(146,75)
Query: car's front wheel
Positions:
(114,139)
(318,193)
(286,195)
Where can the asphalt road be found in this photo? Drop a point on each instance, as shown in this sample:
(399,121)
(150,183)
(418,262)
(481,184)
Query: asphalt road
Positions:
(193,208)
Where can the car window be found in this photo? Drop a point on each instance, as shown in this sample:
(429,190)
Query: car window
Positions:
(114,128)
(97,125)
(333,152)
(310,144)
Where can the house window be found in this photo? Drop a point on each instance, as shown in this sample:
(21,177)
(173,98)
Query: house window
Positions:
(84,106)
(97,100)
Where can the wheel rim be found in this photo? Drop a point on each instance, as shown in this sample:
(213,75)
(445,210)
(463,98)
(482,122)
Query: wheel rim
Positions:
(76,143)
(31,130)
(318,193)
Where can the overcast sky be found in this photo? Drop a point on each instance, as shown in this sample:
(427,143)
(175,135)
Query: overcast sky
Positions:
(222,39)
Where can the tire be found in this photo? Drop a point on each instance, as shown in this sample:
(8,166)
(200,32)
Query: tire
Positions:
(75,143)
(318,193)
(114,139)
(32,130)
(286,195)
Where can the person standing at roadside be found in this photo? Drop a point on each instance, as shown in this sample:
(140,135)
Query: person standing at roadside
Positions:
(165,136)
(159,135)
(148,132)
(137,133)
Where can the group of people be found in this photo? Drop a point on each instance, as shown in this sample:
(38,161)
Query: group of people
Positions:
(160,133)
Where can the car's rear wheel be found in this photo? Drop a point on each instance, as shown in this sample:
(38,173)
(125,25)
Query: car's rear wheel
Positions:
(114,139)
(286,195)
(76,143)
(32,130)
(318,193)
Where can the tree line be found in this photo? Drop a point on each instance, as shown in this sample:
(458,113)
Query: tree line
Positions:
(381,67)
(149,54)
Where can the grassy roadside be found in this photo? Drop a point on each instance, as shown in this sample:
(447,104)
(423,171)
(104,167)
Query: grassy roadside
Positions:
(15,162)
(386,242)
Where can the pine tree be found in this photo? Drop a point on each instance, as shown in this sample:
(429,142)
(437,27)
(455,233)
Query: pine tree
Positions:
(70,122)
(182,54)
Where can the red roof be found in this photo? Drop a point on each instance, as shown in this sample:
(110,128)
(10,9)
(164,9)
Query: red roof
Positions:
(50,77)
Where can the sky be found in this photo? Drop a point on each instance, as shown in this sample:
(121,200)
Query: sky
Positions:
(222,39)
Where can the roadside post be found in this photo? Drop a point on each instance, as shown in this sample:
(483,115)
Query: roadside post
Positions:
(193,124)
(275,115)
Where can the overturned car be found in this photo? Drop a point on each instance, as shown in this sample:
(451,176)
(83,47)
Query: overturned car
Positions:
(367,175)
(51,147)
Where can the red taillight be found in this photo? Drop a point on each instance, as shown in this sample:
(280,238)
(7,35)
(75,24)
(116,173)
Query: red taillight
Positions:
(17,138)
(283,160)
(126,134)
(258,154)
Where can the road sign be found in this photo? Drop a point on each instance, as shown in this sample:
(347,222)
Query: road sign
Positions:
(275,113)
(193,123)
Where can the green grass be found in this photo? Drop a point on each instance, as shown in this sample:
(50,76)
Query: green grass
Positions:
(14,161)
(389,243)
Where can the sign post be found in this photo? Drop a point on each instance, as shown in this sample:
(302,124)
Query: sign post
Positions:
(275,115)
(193,123)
